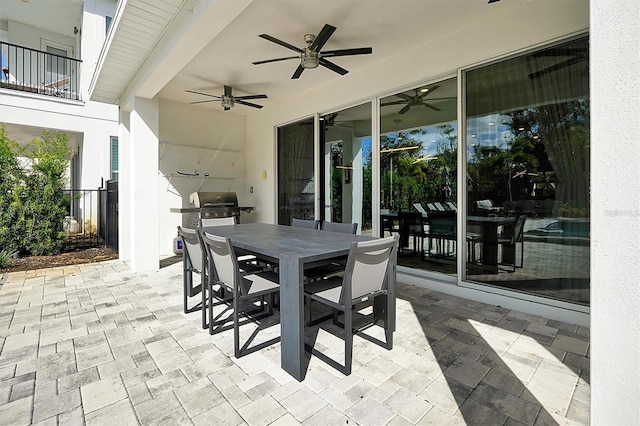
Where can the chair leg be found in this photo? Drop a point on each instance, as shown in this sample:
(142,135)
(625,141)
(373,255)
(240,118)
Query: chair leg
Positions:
(348,339)
(210,305)
(206,287)
(236,327)
(185,285)
(388,329)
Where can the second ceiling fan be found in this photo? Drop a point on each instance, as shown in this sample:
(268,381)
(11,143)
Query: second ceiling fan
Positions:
(417,99)
(228,100)
(311,56)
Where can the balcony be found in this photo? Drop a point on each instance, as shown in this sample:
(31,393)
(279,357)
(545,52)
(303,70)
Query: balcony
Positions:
(35,71)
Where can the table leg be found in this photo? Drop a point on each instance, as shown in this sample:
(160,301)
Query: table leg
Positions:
(490,248)
(292,317)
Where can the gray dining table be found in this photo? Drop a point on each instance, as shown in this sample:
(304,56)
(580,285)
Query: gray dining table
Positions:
(293,249)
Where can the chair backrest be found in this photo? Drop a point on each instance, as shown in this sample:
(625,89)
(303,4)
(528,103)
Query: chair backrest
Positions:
(439,206)
(368,266)
(443,225)
(305,223)
(218,221)
(421,209)
(222,259)
(484,204)
(346,228)
(518,228)
(192,250)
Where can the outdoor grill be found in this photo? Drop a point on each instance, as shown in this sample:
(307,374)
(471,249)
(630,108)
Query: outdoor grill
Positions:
(212,204)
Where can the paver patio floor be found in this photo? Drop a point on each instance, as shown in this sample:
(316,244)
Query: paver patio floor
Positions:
(97,344)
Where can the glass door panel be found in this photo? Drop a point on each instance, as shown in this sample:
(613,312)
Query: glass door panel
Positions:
(418,166)
(296,186)
(346,170)
(528,163)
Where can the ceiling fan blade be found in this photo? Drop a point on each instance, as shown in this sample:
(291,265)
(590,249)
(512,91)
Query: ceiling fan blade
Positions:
(250,97)
(333,67)
(404,96)
(200,93)
(346,52)
(227,90)
(432,107)
(322,37)
(247,103)
(556,67)
(405,109)
(280,42)
(297,72)
(202,102)
(393,103)
(266,61)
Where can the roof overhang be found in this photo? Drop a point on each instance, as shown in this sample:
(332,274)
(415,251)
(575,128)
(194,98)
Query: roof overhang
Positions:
(137,27)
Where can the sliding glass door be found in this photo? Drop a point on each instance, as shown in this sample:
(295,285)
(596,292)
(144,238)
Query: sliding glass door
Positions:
(418,167)
(527,155)
(296,186)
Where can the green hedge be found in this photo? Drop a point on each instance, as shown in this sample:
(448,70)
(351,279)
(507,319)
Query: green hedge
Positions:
(32,200)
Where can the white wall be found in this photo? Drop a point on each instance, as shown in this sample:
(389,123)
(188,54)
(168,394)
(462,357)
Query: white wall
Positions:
(615,212)
(197,140)
(31,37)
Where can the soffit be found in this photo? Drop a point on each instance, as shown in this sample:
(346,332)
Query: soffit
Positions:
(137,28)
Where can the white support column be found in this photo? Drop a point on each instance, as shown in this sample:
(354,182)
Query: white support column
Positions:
(143,184)
(124,193)
(615,213)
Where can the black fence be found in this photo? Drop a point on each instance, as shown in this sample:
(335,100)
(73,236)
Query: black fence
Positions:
(92,220)
(111,217)
(35,71)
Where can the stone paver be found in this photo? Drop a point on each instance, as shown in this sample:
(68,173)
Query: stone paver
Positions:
(97,344)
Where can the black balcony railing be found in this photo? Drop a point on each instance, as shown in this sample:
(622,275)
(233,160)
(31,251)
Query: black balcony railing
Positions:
(34,71)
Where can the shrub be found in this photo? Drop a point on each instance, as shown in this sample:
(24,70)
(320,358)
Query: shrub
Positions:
(32,200)
(6,257)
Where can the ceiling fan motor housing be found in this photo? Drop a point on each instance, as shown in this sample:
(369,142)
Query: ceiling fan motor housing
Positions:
(309,58)
(227,101)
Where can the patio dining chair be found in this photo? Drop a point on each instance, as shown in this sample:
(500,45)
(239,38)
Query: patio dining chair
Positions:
(192,263)
(347,228)
(336,266)
(369,265)
(305,223)
(225,271)
(248,260)
(508,241)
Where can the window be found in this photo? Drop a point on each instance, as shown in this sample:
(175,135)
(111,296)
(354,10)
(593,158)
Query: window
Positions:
(107,22)
(114,157)
(528,164)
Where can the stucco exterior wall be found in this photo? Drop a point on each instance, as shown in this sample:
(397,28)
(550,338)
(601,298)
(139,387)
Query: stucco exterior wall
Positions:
(615,212)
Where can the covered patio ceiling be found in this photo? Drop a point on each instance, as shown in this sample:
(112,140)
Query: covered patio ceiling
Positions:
(389,28)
